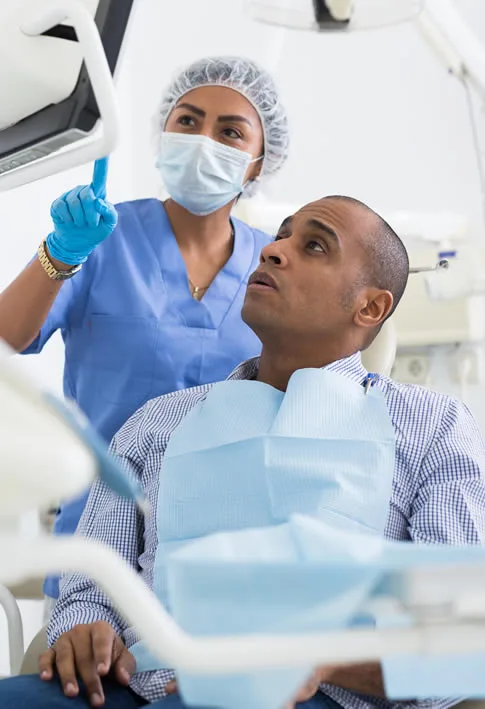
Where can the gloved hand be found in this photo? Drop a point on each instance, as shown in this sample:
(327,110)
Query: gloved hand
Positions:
(82,219)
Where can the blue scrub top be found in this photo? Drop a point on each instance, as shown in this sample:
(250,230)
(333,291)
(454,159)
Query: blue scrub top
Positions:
(132,330)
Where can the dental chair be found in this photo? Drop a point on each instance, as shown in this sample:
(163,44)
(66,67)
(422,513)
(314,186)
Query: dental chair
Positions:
(30,589)
(380,356)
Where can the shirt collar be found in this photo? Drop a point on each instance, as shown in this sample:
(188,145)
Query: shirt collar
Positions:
(350,367)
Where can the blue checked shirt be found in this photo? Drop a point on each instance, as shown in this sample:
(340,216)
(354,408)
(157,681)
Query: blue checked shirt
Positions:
(438,496)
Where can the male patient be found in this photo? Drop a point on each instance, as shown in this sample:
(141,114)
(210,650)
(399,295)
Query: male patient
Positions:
(324,287)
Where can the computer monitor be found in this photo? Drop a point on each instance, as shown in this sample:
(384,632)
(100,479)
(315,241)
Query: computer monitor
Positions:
(61,124)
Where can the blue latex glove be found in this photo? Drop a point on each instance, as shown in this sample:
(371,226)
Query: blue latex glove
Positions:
(82,219)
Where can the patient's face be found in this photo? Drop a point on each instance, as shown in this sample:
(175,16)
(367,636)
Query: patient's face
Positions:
(318,264)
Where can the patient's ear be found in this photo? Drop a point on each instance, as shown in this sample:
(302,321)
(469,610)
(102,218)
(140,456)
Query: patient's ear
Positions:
(373,308)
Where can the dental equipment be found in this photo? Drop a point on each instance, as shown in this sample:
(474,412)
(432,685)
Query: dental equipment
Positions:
(59,107)
(443,264)
(334,15)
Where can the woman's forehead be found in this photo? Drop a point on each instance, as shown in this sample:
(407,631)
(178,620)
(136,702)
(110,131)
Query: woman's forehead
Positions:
(219,100)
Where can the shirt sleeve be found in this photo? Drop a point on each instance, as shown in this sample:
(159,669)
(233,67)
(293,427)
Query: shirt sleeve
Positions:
(449,505)
(113,521)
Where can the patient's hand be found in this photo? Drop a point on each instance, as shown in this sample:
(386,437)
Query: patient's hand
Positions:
(89,652)
(172,687)
(363,677)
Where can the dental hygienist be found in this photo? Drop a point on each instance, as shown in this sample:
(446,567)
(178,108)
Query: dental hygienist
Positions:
(148,295)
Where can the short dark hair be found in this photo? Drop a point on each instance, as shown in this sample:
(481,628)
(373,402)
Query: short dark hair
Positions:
(387,257)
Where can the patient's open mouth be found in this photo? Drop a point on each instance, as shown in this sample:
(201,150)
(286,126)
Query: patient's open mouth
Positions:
(262,281)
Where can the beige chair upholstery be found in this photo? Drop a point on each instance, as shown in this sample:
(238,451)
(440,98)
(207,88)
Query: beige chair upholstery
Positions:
(380,356)
(34,651)
(31,589)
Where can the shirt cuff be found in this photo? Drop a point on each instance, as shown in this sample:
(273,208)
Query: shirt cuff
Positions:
(64,621)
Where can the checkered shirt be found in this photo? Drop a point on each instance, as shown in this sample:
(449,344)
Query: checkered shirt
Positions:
(438,496)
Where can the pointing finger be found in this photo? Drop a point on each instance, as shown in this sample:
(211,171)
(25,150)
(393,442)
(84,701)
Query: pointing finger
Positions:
(100,176)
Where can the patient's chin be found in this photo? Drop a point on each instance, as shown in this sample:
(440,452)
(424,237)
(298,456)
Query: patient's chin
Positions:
(254,314)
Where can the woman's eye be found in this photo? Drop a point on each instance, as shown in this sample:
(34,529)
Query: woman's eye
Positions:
(231,133)
(186,121)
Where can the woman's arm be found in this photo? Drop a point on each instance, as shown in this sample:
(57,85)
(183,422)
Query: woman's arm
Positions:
(82,219)
(26,302)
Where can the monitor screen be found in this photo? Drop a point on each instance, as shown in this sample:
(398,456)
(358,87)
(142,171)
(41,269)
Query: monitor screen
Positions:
(58,125)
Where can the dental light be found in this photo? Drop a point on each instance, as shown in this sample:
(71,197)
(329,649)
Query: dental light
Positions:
(333,15)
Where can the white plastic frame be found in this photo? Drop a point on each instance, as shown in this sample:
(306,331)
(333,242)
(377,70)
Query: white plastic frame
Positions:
(226,655)
(14,628)
(93,147)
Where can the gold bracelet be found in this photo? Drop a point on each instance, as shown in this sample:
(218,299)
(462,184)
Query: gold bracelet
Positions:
(54,273)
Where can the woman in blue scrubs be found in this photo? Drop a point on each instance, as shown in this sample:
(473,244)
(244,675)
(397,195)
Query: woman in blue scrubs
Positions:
(148,295)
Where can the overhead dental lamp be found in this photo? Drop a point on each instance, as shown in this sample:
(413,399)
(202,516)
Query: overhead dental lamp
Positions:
(58,105)
(440,22)
(334,15)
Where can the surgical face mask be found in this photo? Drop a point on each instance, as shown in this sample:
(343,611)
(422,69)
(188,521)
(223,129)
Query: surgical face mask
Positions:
(201,174)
